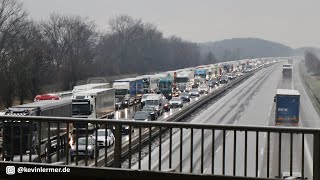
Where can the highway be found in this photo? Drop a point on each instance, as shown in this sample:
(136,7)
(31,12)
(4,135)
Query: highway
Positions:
(251,103)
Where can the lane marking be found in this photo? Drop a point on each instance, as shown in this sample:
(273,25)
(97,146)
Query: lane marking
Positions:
(228,133)
(218,149)
(262,150)
(308,154)
(205,170)
(265,135)
(258,173)
(235,122)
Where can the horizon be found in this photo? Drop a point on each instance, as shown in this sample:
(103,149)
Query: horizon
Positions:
(209,20)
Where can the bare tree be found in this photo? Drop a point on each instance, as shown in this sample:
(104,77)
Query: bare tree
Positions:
(71,42)
(12,19)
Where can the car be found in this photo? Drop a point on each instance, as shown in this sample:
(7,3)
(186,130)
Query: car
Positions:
(204,89)
(102,141)
(125,128)
(195,86)
(44,97)
(142,116)
(91,148)
(152,111)
(238,74)
(213,82)
(224,79)
(185,96)
(166,105)
(295,176)
(231,76)
(194,92)
(176,102)
(118,104)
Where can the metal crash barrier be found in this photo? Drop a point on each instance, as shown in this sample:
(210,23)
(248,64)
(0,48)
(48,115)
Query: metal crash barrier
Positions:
(158,148)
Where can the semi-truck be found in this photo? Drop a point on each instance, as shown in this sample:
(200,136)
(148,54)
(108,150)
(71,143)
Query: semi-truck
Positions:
(165,87)
(185,80)
(286,71)
(93,103)
(85,87)
(150,83)
(202,73)
(287,106)
(128,91)
(12,133)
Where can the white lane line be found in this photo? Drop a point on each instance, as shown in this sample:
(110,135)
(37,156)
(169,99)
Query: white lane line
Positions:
(218,149)
(262,150)
(258,173)
(205,170)
(228,133)
(235,122)
(265,135)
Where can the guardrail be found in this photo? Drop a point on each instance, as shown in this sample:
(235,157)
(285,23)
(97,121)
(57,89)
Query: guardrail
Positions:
(186,137)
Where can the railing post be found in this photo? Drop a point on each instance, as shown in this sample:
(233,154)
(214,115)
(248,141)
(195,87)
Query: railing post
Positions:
(316,155)
(117,148)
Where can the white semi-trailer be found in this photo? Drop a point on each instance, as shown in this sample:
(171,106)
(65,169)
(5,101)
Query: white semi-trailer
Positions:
(86,87)
(30,139)
(94,103)
(185,80)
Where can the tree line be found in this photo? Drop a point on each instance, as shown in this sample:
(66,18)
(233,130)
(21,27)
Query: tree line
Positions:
(62,49)
(312,63)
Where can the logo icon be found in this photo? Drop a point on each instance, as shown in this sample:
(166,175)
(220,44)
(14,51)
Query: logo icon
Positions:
(10,170)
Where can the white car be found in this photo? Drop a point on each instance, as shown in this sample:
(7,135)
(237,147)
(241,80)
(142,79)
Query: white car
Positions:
(102,141)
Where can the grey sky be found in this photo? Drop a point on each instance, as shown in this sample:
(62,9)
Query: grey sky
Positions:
(292,22)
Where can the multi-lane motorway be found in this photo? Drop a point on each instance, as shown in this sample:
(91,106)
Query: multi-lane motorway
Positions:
(250,103)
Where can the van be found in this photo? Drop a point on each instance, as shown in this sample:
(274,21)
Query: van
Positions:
(157,101)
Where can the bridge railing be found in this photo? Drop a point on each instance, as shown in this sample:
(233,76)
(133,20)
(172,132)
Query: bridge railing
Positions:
(162,146)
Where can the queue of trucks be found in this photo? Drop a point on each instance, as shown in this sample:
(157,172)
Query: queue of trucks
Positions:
(97,100)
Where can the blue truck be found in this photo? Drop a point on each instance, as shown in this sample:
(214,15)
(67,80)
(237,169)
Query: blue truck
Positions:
(202,73)
(129,90)
(287,107)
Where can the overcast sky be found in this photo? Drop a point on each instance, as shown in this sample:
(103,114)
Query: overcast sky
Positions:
(292,22)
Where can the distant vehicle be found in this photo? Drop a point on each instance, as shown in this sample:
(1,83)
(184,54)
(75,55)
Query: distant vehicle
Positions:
(176,102)
(152,111)
(201,72)
(195,86)
(166,87)
(166,105)
(287,106)
(185,96)
(294,176)
(125,128)
(204,88)
(223,79)
(238,74)
(213,82)
(185,79)
(102,141)
(91,148)
(195,92)
(231,76)
(118,104)
(44,97)
(142,116)
(287,71)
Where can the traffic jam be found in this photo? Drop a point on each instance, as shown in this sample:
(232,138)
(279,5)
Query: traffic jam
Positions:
(152,97)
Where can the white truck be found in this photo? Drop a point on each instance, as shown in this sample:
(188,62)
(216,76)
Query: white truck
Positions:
(85,87)
(128,91)
(94,103)
(150,83)
(185,80)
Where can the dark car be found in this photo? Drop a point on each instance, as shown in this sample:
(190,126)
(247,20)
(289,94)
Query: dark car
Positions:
(213,82)
(91,148)
(185,96)
(195,86)
(166,105)
(224,79)
(152,111)
(125,129)
(142,116)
